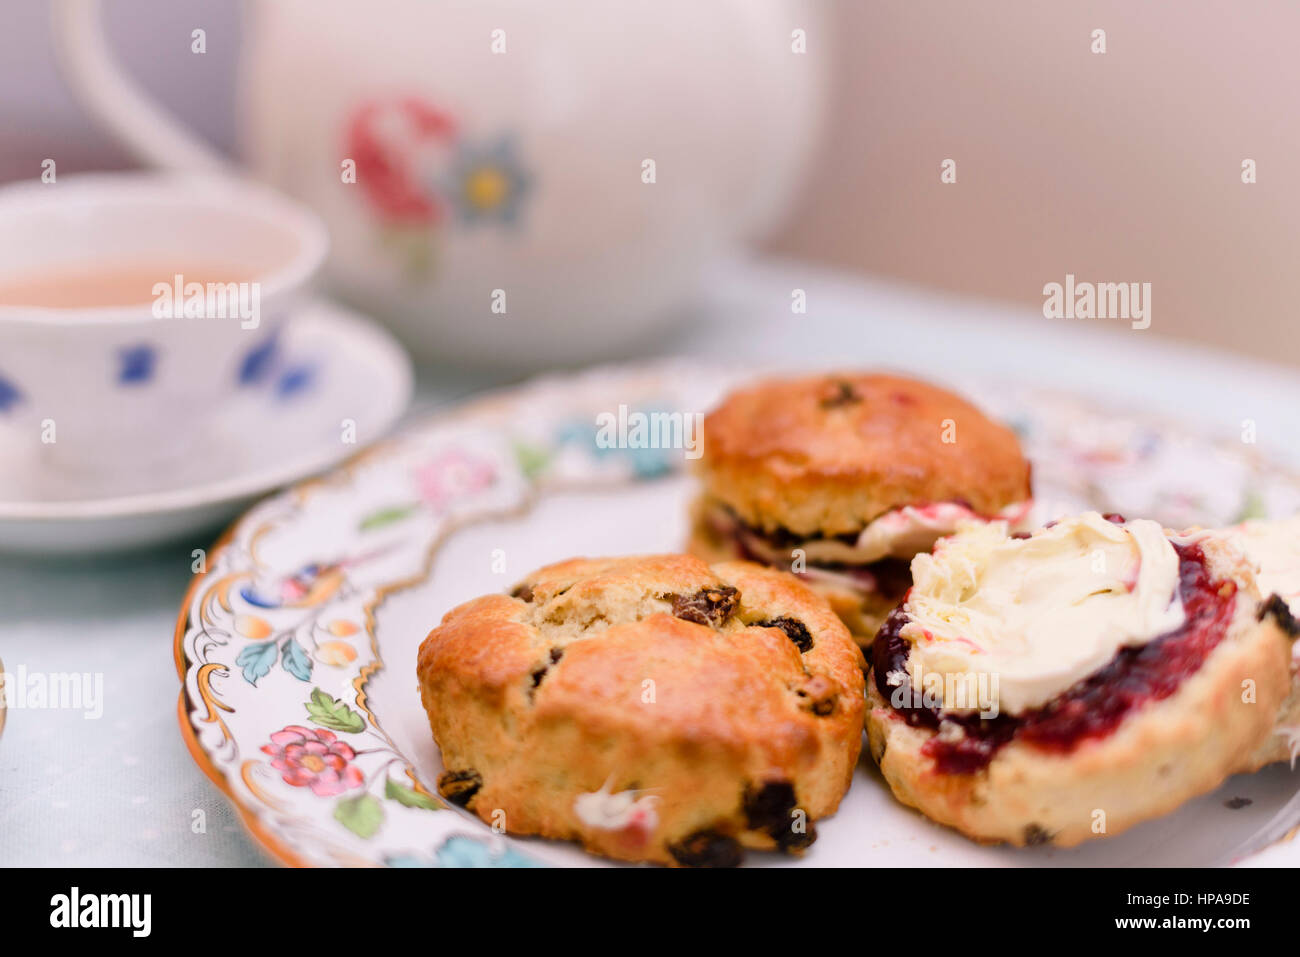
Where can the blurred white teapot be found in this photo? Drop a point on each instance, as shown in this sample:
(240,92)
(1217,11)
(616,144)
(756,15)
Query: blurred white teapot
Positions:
(508,182)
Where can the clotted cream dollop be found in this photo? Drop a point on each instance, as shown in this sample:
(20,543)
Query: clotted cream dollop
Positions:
(1035,615)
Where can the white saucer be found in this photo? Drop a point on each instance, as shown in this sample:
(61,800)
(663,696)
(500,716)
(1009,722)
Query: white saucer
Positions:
(330,365)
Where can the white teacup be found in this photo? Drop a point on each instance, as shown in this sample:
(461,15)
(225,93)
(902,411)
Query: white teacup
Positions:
(100,387)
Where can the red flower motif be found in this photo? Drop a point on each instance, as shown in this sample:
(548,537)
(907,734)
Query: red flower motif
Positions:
(384,139)
(314,758)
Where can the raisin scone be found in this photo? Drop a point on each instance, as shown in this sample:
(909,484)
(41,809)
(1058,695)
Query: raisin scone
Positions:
(1273,548)
(843,478)
(653,708)
(1069,684)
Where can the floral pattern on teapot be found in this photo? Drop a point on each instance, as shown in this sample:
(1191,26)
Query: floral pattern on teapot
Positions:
(416,171)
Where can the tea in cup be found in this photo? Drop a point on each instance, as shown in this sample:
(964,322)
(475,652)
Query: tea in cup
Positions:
(132,305)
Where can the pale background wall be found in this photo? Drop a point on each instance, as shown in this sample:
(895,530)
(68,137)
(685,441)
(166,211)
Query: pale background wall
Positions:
(1123,166)
(1116,167)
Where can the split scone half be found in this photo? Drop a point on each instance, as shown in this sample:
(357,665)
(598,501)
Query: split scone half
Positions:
(1066,685)
(1273,549)
(842,479)
(652,708)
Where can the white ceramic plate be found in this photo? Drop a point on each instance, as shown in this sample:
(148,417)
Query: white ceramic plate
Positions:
(329,365)
(297,647)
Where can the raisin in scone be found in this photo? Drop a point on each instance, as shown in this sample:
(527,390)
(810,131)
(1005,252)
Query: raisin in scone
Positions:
(843,478)
(1070,684)
(1273,548)
(653,708)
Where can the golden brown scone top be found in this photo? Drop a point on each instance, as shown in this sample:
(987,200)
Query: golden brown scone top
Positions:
(826,454)
(599,627)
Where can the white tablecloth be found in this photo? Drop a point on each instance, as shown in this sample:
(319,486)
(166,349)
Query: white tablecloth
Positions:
(122,790)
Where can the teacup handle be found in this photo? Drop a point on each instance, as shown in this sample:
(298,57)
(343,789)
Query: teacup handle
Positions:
(115,102)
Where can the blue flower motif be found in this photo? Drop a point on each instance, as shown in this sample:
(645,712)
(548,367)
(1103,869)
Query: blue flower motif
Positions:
(644,462)
(461,850)
(9,395)
(259,361)
(486,182)
(295,380)
(137,364)
(285,590)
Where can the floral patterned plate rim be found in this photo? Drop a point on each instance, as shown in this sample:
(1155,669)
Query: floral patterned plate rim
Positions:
(318,738)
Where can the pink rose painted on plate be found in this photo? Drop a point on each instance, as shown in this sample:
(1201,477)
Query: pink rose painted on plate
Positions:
(314,759)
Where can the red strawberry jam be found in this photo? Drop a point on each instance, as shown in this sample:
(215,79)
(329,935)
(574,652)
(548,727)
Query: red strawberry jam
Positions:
(1091,708)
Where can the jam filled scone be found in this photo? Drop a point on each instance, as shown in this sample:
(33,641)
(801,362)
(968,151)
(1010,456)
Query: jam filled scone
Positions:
(1273,548)
(843,478)
(1072,683)
(653,708)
